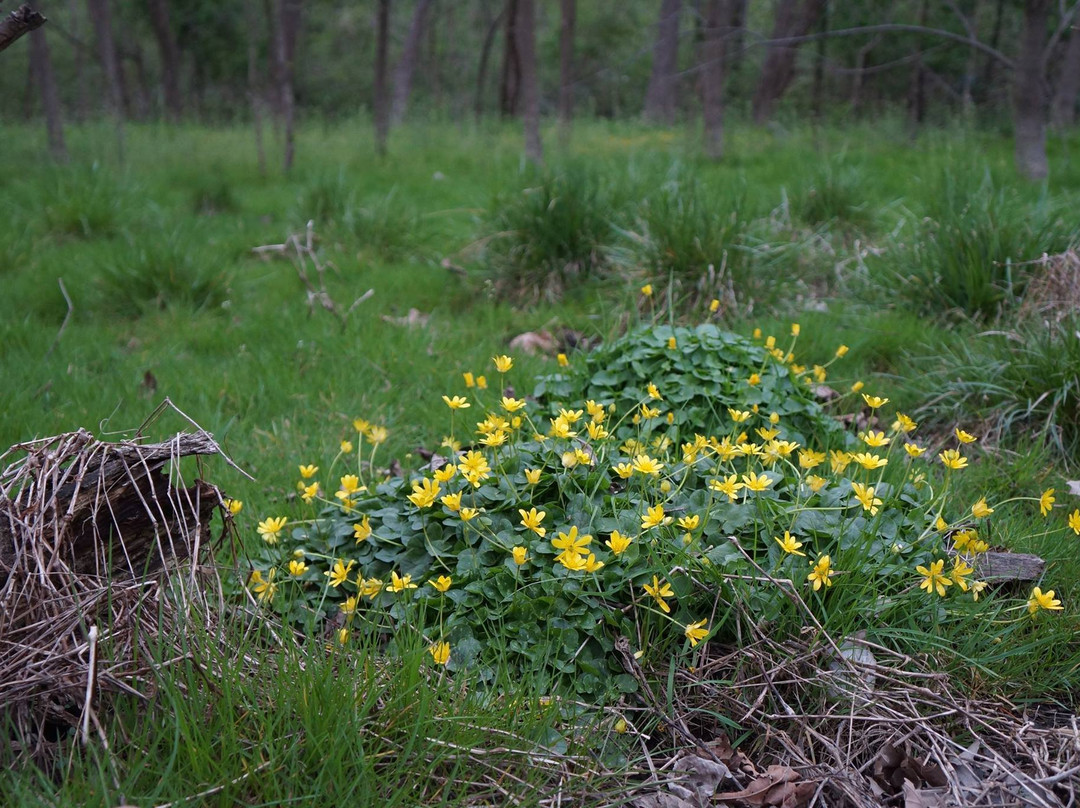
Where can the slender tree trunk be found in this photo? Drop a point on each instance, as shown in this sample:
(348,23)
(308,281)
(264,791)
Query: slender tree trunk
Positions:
(718,19)
(566,67)
(510,82)
(995,40)
(101,19)
(41,67)
(1029,92)
(793,19)
(661,99)
(170,58)
(1063,104)
(485,57)
(917,88)
(406,66)
(530,83)
(141,104)
(382,46)
(254,87)
(82,102)
(818,91)
(286,31)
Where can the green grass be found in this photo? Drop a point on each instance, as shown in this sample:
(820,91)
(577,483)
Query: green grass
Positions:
(156,256)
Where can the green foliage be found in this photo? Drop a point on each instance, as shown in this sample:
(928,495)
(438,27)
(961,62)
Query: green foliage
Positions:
(386,227)
(706,372)
(84,204)
(152,273)
(834,194)
(550,237)
(684,228)
(1023,383)
(213,195)
(968,254)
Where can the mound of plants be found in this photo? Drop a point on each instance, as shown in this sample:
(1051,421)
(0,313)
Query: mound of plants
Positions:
(571,542)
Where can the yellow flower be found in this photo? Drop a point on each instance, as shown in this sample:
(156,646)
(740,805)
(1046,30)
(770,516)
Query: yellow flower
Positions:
(468,514)
(816,483)
(378,434)
(649,412)
(647,290)
(457,402)
(659,591)
(346,446)
(481,382)
(570,543)
(820,373)
(343,635)
(562,360)
(399,583)
(689,522)
(264,588)
(297,568)
(560,428)
(1038,600)
(964,437)
(874,401)
(754,380)
(1046,501)
(794,329)
(738,416)
(575,562)
(714,305)
(953,459)
(474,467)
(497,438)
(591,564)
(450,443)
(789,544)
(512,404)
(624,470)
(653,392)
(757,333)
(234,506)
(339,573)
(767,434)
(1074,521)
(654,517)
(307,472)
(362,529)
(821,574)
(596,431)
(348,608)
(643,464)
(532,519)
(960,573)
(361,426)
(446,473)
(859,385)
(370,588)
(904,423)
(618,542)
(470,381)
(841,351)
(269,528)
(503,363)
(874,439)
(440,652)
(976,589)
(442,583)
(424,492)
(865,495)
(808,458)
(532,476)
(839,460)
(914,450)
(756,482)
(309,492)
(696,632)
(934,578)
(980,509)
(350,484)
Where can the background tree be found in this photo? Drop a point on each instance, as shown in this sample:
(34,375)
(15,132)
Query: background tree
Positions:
(525,34)
(793,19)
(661,101)
(406,65)
(170,57)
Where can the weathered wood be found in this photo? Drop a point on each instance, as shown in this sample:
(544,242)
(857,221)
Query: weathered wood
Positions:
(21,21)
(1009,566)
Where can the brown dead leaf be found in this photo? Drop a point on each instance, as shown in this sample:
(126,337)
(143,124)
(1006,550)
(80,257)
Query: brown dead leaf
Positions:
(779,786)
(923,797)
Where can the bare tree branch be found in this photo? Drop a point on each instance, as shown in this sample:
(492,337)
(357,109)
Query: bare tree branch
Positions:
(21,21)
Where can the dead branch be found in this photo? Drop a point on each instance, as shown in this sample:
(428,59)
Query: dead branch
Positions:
(21,21)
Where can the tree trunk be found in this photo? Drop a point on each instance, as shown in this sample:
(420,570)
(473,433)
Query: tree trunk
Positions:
(101,19)
(530,84)
(734,50)
(254,88)
(1029,93)
(406,66)
(718,19)
(485,56)
(170,58)
(793,19)
(82,103)
(287,13)
(661,101)
(510,83)
(566,67)
(917,86)
(41,67)
(1063,104)
(382,46)
(817,93)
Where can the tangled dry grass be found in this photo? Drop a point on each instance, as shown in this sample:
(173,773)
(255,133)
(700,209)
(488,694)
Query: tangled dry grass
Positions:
(102,551)
(1053,292)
